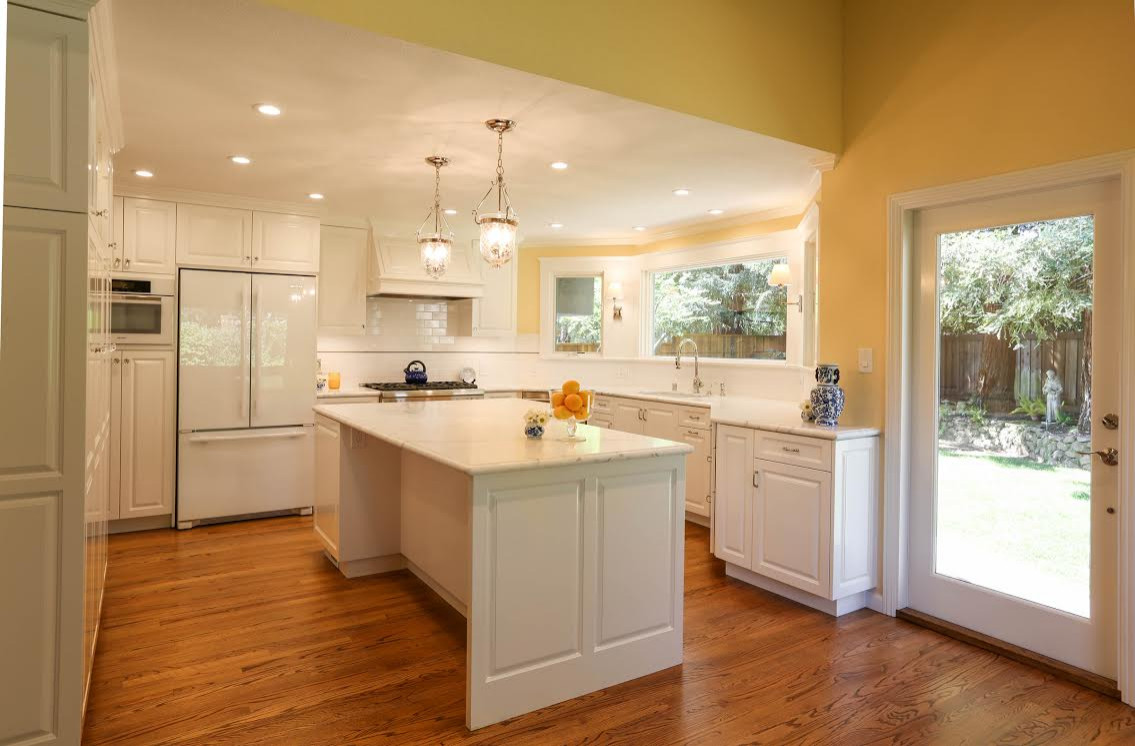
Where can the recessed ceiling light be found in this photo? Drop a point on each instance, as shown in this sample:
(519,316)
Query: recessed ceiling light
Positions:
(640,227)
(681,192)
(243,160)
(715,211)
(268,110)
(555,226)
(315,195)
(558,165)
(449,211)
(144,173)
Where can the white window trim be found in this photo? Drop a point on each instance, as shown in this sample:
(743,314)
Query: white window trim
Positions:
(550,270)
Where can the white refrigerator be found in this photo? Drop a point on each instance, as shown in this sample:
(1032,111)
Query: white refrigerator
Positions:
(246,386)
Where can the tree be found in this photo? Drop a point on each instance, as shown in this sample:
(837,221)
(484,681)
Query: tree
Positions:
(1029,280)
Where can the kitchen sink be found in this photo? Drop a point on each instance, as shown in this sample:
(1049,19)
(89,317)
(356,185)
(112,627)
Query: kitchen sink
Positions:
(679,394)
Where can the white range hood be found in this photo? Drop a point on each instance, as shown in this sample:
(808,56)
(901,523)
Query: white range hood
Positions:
(396,270)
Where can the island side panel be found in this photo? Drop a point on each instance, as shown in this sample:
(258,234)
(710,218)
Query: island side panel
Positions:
(435,526)
(577,581)
(370,504)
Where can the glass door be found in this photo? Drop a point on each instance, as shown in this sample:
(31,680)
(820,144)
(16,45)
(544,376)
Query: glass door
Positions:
(1016,367)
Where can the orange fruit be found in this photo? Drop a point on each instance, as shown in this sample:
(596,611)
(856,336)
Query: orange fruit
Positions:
(571,387)
(561,413)
(557,399)
(573,402)
(583,413)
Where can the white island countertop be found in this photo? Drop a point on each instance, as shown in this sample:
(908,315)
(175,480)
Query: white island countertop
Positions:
(484,436)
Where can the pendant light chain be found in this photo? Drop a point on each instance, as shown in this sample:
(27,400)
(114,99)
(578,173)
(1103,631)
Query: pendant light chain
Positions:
(500,168)
(437,197)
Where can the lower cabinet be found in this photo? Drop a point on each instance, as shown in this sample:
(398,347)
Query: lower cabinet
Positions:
(326,512)
(142,433)
(804,519)
(672,422)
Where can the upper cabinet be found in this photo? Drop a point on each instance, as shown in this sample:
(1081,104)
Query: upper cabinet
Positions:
(219,237)
(46,112)
(494,313)
(149,236)
(342,280)
(285,243)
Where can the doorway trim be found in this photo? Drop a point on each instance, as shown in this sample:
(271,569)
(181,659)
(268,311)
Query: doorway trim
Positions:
(901,208)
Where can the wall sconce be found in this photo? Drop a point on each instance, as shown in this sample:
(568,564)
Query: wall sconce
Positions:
(616,290)
(781,276)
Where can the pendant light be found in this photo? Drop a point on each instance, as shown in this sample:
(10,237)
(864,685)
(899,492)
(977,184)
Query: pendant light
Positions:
(436,247)
(498,229)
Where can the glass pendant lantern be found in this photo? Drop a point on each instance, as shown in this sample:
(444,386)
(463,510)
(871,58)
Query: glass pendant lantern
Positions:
(498,228)
(436,247)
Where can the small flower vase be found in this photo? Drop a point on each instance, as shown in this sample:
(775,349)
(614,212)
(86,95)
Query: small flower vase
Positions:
(534,430)
(827,397)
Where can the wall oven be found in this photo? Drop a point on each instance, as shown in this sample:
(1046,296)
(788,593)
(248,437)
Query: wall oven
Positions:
(142,311)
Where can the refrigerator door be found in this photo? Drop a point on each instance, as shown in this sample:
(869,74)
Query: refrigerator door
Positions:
(213,350)
(283,350)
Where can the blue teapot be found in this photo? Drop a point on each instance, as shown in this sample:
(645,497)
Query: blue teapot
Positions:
(416,372)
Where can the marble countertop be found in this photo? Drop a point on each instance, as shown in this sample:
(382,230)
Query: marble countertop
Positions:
(485,436)
(774,415)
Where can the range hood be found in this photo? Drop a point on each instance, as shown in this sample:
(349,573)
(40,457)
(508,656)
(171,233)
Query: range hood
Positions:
(396,270)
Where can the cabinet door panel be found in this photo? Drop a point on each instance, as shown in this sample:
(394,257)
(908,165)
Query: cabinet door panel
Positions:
(494,314)
(697,470)
(113,504)
(342,280)
(660,420)
(214,236)
(149,236)
(46,114)
(732,513)
(326,520)
(792,526)
(285,243)
(626,415)
(146,484)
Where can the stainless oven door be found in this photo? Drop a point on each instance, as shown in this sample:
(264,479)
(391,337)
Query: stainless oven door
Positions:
(138,318)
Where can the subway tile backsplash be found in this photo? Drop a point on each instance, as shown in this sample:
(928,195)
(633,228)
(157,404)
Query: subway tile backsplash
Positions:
(432,321)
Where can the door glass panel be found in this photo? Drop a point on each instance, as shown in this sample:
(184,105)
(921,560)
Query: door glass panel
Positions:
(1015,357)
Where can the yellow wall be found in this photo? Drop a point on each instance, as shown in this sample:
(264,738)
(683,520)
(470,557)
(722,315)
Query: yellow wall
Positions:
(939,91)
(770,66)
(528,273)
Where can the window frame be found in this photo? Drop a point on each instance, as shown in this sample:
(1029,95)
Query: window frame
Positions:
(646,328)
(569,267)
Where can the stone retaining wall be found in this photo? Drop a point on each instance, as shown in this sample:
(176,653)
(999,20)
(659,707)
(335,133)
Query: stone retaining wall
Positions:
(1058,445)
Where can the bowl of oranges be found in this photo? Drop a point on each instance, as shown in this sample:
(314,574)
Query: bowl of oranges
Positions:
(571,404)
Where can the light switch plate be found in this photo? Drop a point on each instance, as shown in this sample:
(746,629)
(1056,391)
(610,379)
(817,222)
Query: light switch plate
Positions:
(866,360)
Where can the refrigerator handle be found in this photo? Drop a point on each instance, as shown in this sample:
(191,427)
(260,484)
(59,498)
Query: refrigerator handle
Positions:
(245,351)
(255,377)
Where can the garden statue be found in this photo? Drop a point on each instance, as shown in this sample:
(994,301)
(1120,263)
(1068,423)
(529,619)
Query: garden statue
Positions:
(1052,390)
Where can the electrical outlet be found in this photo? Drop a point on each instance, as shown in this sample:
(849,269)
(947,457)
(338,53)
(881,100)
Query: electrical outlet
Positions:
(866,360)
(622,373)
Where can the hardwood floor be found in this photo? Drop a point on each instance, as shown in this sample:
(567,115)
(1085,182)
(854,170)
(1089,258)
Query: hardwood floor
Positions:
(245,634)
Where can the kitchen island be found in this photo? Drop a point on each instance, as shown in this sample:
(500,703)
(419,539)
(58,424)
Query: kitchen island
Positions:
(566,558)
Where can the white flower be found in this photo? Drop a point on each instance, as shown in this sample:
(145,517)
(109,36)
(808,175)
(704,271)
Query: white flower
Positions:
(536,417)
(806,406)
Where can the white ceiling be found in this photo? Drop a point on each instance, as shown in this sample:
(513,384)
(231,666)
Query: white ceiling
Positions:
(362,111)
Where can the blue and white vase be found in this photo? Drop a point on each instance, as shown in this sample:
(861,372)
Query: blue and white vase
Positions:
(534,430)
(827,397)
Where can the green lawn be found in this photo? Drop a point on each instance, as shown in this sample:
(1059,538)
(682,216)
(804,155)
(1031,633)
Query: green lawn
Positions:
(1015,526)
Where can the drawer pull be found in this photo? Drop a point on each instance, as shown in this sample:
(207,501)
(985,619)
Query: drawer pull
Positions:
(786,449)
(757,479)
(695,433)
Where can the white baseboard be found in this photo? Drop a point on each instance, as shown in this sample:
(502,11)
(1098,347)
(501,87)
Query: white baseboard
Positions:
(436,587)
(371,565)
(149,523)
(839,607)
(700,520)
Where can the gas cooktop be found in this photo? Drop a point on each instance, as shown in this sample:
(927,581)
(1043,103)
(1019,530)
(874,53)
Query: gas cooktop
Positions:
(429,386)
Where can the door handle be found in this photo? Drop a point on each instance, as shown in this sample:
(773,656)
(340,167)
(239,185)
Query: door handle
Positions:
(1109,456)
(757,479)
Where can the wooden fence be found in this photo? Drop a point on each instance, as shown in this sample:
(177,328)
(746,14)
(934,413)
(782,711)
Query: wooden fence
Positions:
(737,346)
(961,361)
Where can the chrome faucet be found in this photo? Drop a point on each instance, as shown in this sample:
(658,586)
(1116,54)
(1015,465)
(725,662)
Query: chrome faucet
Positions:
(678,361)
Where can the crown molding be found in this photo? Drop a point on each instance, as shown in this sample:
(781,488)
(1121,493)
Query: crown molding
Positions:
(71,8)
(213,199)
(825,162)
(705,226)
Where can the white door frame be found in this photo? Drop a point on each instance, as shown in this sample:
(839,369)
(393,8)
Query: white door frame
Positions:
(900,283)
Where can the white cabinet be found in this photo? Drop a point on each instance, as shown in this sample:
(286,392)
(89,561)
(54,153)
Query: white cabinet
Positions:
(218,237)
(396,269)
(733,499)
(494,313)
(342,280)
(46,114)
(326,520)
(143,440)
(697,470)
(800,512)
(149,236)
(791,525)
(626,415)
(660,420)
(285,243)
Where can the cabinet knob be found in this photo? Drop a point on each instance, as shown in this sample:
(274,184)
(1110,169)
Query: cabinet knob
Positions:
(127,262)
(113,245)
(116,261)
